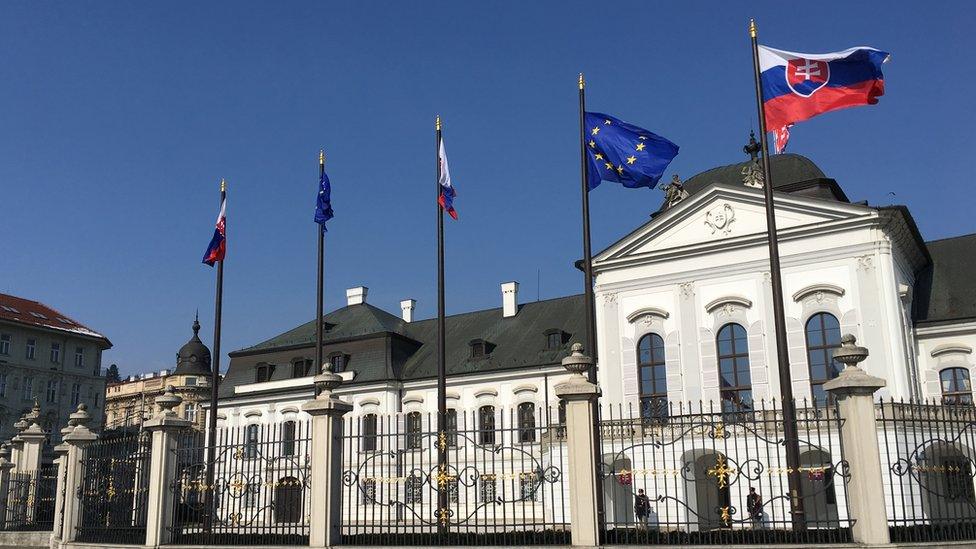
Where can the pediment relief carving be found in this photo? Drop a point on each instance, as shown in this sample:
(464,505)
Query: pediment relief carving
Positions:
(647,313)
(719,219)
(728,305)
(818,292)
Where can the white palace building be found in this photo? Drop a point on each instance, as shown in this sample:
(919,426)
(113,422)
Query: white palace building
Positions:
(684,314)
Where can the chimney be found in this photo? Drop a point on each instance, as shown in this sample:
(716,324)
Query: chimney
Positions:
(509,299)
(357,295)
(407,306)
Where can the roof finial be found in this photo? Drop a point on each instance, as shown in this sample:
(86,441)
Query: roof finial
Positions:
(196,324)
(753,147)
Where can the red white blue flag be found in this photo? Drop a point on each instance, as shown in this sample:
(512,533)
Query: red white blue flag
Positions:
(446,196)
(218,244)
(799,86)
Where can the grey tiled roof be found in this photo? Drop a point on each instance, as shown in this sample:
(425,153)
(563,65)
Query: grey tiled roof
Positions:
(946,290)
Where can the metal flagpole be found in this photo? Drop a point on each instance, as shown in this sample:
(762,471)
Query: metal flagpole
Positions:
(318,282)
(779,314)
(588,290)
(443,512)
(215,381)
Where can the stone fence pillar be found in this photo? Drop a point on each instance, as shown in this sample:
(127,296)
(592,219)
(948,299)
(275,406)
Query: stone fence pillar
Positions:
(326,467)
(77,442)
(579,396)
(854,390)
(32,442)
(61,460)
(165,428)
(5,468)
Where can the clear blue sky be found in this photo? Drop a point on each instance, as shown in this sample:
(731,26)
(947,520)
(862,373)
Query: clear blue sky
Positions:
(117,120)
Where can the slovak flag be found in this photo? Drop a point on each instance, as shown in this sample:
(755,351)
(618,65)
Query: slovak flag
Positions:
(446,196)
(218,244)
(799,86)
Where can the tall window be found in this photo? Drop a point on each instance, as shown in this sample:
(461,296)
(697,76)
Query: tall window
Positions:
(413,489)
(3,385)
(369,432)
(31,347)
(288,430)
(56,353)
(80,357)
(369,491)
(486,424)
(956,388)
(554,340)
(823,337)
(653,379)
(190,412)
(414,428)
(75,394)
(450,425)
(28,388)
(52,391)
(4,344)
(733,368)
(251,441)
(526,422)
(488,488)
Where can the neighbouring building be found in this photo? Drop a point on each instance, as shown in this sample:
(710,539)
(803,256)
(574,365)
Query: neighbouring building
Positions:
(130,402)
(49,358)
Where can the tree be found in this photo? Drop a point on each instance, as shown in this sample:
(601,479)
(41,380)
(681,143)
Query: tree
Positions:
(112,374)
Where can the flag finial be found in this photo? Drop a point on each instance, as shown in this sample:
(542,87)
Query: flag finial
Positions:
(752,28)
(321,157)
(582,83)
(223,185)
(437,122)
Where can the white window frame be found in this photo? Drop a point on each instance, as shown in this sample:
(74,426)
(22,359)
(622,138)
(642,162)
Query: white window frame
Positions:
(55,353)
(80,357)
(4,344)
(30,349)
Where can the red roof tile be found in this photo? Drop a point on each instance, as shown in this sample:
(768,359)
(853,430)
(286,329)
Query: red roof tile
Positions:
(32,313)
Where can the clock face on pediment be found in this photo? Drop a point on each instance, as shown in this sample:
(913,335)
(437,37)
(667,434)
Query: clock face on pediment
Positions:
(723,213)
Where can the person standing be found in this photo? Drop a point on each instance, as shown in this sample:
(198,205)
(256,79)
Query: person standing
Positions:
(642,507)
(754,505)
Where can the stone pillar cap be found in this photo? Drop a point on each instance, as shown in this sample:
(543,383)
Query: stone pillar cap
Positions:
(577,362)
(853,380)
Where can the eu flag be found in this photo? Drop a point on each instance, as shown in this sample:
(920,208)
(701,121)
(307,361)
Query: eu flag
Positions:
(624,153)
(323,203)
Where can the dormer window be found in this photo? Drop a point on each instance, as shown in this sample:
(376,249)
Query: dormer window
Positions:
(264,373)
(479,348)
(338,362)
(554,339)
(301,368)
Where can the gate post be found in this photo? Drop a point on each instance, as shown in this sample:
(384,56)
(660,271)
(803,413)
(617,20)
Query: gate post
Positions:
(61,458)
(165,427)
(32,439)
(579,396)
(854,390)
(77,440)
(5,467)
(325,517)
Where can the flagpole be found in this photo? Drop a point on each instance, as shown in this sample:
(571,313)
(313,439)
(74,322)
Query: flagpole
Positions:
(590,310)
(319,282)
(443,516)
(779,314)
(215,378)
(587,253)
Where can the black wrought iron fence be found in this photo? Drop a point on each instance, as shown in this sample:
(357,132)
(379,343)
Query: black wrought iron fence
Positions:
(114,489)
(927,454)
(695,474)
(504,480)
(31,499)
(260,491)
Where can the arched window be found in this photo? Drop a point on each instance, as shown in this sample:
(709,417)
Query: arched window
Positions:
(369,432)
(414,427)
(251,441)
(823,337)
(486,424)
(733,368)
(652,379)
(956,388)
(288,438)
(526,422)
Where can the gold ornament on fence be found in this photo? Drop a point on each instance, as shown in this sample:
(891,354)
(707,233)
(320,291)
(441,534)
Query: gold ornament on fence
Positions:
(721,471)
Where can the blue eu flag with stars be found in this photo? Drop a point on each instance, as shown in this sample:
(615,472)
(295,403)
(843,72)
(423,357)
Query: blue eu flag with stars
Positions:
(623,153)
(323,202)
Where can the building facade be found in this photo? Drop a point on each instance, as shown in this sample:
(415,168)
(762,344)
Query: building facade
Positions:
(130,402)
(684,313)
(47,357)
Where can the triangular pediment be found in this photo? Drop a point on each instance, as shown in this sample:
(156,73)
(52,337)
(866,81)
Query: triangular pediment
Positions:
(722,213)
